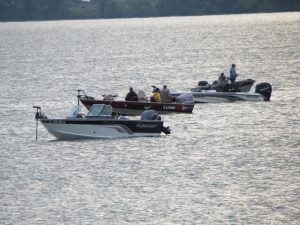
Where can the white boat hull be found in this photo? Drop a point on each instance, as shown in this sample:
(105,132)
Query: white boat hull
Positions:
(99,123)
(219,97)
(82,131)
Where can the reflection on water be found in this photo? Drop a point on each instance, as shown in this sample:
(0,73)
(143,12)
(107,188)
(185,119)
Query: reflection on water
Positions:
(235,163)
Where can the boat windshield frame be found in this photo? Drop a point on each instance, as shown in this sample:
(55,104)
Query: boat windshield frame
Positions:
(100,110)
(74,111)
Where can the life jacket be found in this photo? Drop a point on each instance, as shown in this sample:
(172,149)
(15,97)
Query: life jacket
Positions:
(156,96)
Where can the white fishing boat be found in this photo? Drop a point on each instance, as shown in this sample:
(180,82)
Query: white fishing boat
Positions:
(99,123)
(208,94)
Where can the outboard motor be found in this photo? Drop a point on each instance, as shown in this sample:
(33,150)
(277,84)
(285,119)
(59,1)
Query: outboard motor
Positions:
(150,115)
(153,115)
(202,83)
(265,89)
(186,98)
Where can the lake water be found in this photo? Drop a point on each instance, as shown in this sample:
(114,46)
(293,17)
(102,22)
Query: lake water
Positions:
(233,163)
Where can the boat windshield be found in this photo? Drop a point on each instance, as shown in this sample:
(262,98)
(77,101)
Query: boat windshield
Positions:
(74,111)
(100,110)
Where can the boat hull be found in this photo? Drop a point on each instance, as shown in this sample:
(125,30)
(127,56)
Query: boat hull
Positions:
(136,108)
(219,97)
(238,86)
(113,128)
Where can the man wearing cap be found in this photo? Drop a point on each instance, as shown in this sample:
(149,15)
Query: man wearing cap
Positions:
(131,96)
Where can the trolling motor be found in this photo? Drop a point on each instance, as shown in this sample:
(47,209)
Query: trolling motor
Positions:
(38,115)
(81,94)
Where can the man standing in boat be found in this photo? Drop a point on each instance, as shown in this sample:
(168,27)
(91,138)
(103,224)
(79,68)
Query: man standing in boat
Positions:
(131,96)
(232,73)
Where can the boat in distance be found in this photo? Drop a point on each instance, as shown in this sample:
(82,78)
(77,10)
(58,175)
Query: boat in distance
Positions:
(219,97)
(225,86)
(213,94)
(99,123)
(137,107)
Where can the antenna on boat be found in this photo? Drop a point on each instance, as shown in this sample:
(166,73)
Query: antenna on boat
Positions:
(37,116)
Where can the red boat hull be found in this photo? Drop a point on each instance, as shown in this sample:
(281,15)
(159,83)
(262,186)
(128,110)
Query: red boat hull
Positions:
(136,108)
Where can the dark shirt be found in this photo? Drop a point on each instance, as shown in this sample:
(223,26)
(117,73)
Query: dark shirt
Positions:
(131,96)
(222,77)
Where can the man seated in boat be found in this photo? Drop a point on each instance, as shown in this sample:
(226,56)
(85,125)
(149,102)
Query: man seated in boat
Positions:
(131,96)
(166,96)
(222,79)
(156,95)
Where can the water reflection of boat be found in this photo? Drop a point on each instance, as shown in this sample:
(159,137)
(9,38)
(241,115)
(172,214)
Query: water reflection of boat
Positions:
(99,123)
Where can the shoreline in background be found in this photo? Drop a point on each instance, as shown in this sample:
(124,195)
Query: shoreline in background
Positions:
(49,10)
(228,14)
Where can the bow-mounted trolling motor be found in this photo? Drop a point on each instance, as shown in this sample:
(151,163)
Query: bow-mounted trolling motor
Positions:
(81,94)
(38,115)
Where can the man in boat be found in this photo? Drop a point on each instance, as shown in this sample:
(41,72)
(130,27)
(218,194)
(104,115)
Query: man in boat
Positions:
(222,79)
(232,73)
(156,95)
(166,96)
(131,96)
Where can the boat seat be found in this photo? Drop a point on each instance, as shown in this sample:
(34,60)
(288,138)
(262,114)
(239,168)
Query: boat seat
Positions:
(108,97)
(141,96)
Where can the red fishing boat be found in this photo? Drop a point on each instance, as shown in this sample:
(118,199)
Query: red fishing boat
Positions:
(184,104)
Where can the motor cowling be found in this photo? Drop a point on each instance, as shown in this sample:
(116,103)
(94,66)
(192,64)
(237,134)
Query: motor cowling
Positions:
(202,83)
(153,115)
(265,89)
(150,115)
(186,98)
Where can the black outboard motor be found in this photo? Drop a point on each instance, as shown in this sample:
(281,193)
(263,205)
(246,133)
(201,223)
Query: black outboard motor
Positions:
(153,115)
(150,115)
(202,83)
(265,89)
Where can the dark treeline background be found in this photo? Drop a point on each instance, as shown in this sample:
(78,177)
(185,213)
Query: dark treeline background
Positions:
(22,10)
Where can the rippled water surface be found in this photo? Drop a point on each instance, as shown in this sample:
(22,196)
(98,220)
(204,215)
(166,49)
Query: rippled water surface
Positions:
(234,163)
